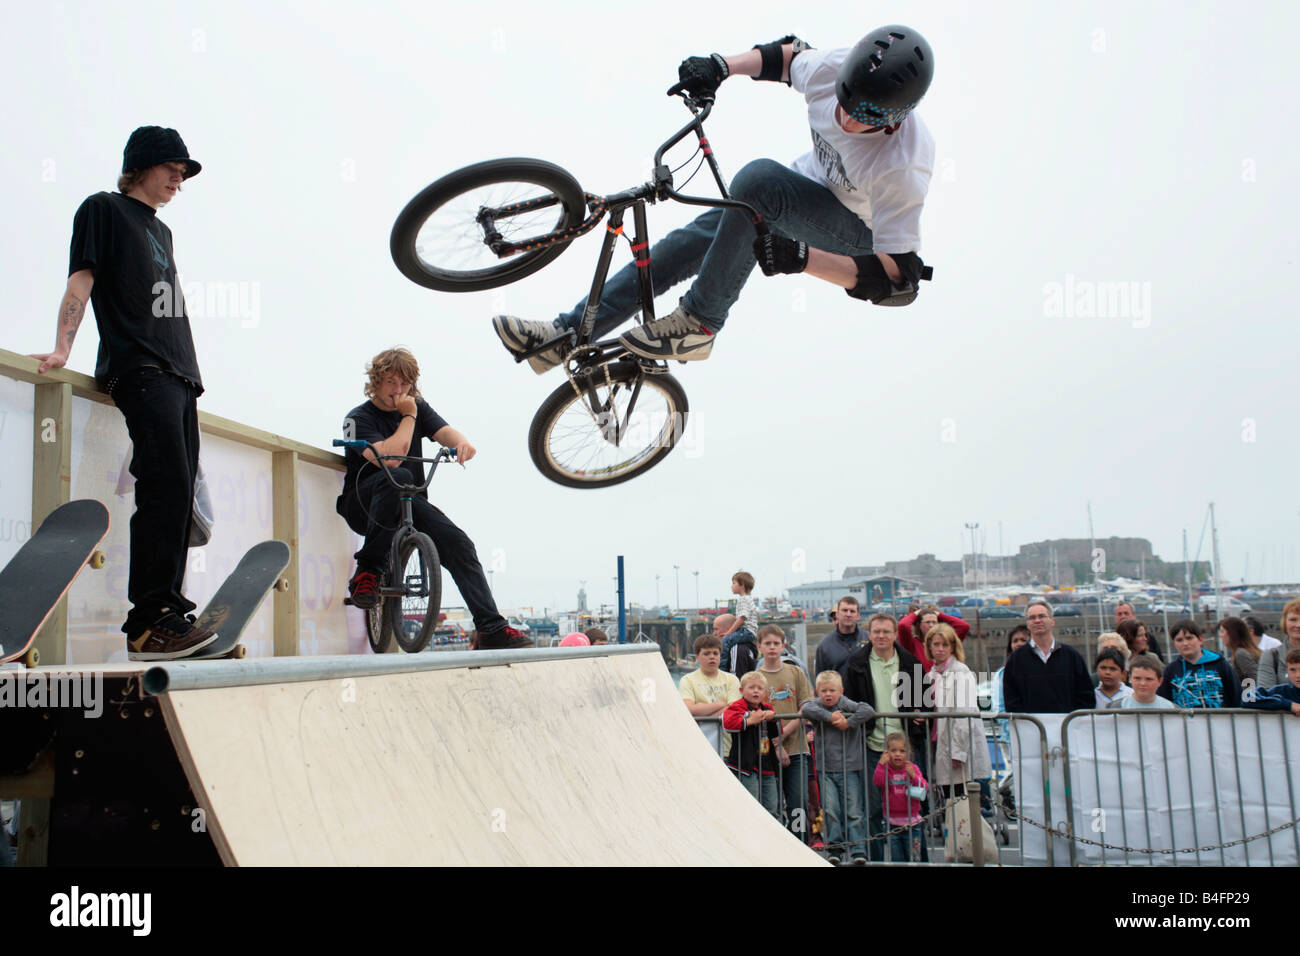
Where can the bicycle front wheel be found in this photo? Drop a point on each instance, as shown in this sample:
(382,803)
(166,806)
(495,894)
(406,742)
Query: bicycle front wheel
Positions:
(413,616)
(619,422)
(440,240)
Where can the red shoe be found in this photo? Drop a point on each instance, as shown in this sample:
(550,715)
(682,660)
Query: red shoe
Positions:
(364,590)
(505,639)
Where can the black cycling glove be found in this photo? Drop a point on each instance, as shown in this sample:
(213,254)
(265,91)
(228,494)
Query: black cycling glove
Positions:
(779,255)
(700,74)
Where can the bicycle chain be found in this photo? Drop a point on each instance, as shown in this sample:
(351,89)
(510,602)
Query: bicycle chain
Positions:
(594,203)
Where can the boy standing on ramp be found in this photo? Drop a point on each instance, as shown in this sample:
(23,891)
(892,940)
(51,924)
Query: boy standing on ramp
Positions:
(121,261)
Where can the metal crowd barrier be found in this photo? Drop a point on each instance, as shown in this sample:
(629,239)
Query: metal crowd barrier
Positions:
(1001,803)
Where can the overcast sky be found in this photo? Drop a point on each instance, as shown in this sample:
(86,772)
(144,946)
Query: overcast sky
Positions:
(1089,143)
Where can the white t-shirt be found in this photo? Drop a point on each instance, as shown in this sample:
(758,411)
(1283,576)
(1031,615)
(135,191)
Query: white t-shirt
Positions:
(882,178)
(1103,701)
(747,608)
(1132,703)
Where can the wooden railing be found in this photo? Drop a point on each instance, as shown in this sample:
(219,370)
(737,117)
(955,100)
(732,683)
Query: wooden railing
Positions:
(52,483)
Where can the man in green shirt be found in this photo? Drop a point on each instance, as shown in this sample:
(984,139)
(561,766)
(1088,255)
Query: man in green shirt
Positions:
(891,680)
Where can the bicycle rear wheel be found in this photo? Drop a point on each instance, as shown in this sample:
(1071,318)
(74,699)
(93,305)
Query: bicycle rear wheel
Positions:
(619,423)
(376,627)
(439,239)
(413,616)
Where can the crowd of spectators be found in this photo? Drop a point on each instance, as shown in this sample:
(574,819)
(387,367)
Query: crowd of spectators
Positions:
(816,749)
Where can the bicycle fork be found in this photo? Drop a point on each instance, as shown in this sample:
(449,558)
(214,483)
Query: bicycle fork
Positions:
(402,584)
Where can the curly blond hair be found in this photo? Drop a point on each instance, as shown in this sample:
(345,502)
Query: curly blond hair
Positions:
(399,362)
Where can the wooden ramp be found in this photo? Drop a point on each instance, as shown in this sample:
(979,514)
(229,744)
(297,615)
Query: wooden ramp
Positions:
(550,757)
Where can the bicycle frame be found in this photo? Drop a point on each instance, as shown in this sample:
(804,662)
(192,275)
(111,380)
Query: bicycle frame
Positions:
(616,206)
(407,492)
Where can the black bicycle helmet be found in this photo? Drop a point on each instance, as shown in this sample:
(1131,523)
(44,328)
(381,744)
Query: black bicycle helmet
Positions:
(885,75)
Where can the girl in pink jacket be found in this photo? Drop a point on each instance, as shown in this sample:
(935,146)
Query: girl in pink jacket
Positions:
(902,787)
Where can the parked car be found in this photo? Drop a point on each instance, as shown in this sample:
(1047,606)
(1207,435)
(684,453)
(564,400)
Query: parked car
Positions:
(1003,610)
(1067,610)
(1230,604)
(449,632)
(1170,607)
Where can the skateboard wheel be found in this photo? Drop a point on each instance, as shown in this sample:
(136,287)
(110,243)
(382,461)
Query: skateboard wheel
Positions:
(239,652)
(282,584)
(32,657)
(97,560)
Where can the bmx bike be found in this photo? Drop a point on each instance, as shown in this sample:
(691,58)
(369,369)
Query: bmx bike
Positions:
(495,222)
(410,589)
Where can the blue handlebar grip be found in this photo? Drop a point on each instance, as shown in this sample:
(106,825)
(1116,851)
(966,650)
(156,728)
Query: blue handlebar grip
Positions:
(344,443)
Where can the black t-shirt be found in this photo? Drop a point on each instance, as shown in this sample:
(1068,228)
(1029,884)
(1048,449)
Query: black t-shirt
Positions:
(370,422)
(137,299)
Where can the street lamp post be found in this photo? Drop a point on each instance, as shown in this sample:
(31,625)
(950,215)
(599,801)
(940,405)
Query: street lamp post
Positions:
(971,526)
(656,590)
(677,589)
(697,591)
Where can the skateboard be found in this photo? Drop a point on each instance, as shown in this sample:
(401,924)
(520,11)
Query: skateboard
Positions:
(239,597)
(39,575)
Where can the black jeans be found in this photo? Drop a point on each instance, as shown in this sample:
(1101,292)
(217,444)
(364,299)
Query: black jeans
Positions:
(376,507)
(162,418)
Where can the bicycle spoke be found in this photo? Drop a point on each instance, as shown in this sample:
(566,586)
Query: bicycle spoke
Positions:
(577,445)
(452,238)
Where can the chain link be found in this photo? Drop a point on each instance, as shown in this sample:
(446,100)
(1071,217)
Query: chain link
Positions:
(1066,835)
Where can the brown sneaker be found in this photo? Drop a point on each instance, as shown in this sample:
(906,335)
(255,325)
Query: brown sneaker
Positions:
(170,637)
(505,639)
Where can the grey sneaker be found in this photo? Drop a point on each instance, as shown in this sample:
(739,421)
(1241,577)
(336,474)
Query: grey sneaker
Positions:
(520,335)
(678,335)
(170,637)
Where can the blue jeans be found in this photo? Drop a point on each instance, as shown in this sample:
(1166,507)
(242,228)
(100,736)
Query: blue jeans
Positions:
(719,246)
(842,804)
(909,845)
(764,789)
(794,783)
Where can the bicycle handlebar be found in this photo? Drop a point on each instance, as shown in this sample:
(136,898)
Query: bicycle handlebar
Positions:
(700,107)
(360,444)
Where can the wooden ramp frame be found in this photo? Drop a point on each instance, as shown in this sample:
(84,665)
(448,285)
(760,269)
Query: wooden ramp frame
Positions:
(581,758)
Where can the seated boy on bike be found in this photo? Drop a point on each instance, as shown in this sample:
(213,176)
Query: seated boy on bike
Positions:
(847,212)
(395,420)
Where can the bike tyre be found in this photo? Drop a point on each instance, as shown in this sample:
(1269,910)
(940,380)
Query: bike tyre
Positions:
(377,632)
(563,398)
(444,277)
(428,606)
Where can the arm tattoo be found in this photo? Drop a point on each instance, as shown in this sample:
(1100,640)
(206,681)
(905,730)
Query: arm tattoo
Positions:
(74,310)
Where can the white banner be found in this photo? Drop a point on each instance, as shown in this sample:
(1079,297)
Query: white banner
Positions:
(1151,781)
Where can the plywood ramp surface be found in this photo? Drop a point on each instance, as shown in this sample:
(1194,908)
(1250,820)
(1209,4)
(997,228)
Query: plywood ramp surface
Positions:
(591,761)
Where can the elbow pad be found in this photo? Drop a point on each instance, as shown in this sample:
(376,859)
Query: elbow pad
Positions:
(874,283)
(774,59)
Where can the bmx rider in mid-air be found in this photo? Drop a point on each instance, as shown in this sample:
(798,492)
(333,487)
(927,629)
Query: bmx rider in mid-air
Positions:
(848,211)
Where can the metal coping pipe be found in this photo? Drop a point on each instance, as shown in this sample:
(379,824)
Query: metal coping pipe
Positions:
(203,675)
